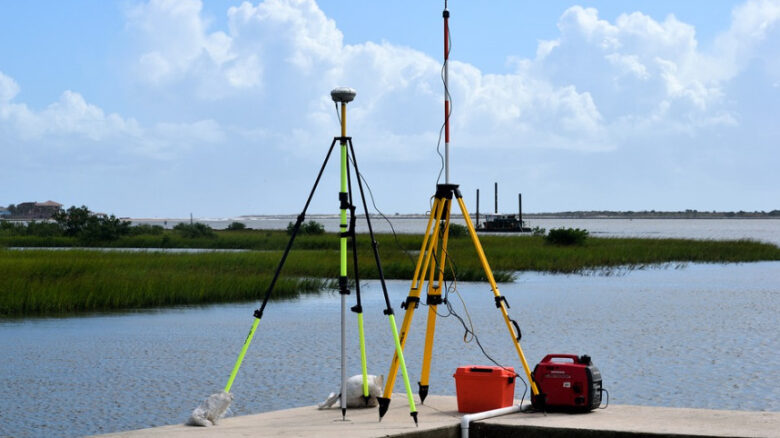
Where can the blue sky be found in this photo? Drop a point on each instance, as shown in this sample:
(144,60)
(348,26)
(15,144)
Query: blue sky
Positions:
(162,108)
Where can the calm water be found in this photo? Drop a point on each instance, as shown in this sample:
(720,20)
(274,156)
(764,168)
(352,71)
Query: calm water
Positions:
(700,336)
(767,230)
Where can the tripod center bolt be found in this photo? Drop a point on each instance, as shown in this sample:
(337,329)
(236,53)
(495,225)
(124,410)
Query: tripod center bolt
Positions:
(343,94)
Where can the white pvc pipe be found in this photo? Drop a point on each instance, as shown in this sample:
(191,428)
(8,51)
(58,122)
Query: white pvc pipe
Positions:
(466,419)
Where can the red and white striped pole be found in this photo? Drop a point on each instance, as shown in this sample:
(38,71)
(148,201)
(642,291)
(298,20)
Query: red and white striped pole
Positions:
(446,15)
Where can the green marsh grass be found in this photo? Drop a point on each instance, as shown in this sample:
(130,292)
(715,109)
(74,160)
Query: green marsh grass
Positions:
(38,282)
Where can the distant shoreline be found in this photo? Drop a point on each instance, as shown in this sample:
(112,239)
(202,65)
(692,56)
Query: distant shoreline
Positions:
(565,215)
(775,214)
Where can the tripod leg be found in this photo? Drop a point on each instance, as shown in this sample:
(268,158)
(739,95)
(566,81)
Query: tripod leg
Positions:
(500,301)
(388,310)
(258,314)
(357,308)
(412,301)
(434,297)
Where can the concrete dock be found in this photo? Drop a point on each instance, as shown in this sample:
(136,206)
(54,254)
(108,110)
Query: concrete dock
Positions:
(439,418)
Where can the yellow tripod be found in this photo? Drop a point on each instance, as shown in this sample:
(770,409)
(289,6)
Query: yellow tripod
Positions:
(431,263)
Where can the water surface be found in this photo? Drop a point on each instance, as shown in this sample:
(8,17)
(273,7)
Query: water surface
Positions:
(704,336)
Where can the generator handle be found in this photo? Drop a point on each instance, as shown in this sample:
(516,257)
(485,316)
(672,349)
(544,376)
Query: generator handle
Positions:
(550,357)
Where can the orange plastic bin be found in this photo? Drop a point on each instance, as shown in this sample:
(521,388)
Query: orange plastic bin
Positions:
(483,388)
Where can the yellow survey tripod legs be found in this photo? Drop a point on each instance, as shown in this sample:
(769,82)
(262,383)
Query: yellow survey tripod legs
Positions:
(431,263)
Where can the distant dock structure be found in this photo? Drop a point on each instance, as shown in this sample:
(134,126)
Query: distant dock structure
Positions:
(503,223)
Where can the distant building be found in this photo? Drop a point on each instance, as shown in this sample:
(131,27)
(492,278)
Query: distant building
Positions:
(36,210)
(4,212)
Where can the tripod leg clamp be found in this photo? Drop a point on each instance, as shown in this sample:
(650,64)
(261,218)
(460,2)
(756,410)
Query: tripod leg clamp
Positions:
(343,290)
(352,219)
(499,299)
(434,300)
(409,301)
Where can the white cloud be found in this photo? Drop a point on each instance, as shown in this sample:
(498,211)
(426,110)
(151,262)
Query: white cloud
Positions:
(301,55)
(8,88)
(260,86)
(72,124)
(70,116)
(629,64)
(277,59)
(178,45)
(754,26)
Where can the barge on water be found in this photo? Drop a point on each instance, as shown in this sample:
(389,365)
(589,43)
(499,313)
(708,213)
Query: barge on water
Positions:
(503,223)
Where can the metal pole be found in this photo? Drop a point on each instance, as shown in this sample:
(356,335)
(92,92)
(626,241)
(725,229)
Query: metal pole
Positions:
(495,196)
(343,252)
(343,95)
(520,208)
(446,16)
(477,208)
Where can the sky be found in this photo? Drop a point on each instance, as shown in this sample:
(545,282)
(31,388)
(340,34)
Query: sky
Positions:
(217,109)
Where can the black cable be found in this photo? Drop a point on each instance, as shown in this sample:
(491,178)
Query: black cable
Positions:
(469,329)
(373,202)
(392,228)
(605,406)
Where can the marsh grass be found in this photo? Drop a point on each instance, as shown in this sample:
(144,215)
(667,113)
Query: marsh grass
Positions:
(38,282)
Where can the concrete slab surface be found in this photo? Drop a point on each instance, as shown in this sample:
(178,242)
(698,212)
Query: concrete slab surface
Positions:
(439,418)
(653,420)
(438,412)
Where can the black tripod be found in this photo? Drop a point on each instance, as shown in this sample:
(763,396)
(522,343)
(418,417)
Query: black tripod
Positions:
(341,95)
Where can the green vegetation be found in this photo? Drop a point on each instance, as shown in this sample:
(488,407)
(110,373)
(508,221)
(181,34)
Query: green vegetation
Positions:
(458,230)
(88,227)
(236,226)
(566,236)
(56,282)
(310,227)
(194,231)
(35,282)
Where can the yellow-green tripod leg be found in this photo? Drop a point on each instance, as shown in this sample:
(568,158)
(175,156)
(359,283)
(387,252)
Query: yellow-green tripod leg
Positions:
(363,364)
(241,355)
(400,352)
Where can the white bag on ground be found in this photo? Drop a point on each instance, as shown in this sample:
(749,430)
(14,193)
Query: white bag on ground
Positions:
(211,410)
(355,392)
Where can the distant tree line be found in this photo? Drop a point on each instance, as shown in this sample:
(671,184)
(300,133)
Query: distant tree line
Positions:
(91,228)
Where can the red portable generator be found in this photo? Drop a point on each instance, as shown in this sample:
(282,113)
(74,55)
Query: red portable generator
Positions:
(567,382)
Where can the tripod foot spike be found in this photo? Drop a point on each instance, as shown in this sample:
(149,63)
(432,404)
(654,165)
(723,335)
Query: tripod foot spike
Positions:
(414,416)
(343,414)
(423,392)
(384,404)
(366,399)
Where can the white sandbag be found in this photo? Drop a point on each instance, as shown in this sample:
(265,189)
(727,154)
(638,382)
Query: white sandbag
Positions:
(211,410)
(355,392)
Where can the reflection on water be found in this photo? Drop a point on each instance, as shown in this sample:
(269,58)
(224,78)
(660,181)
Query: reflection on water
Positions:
(704,336)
